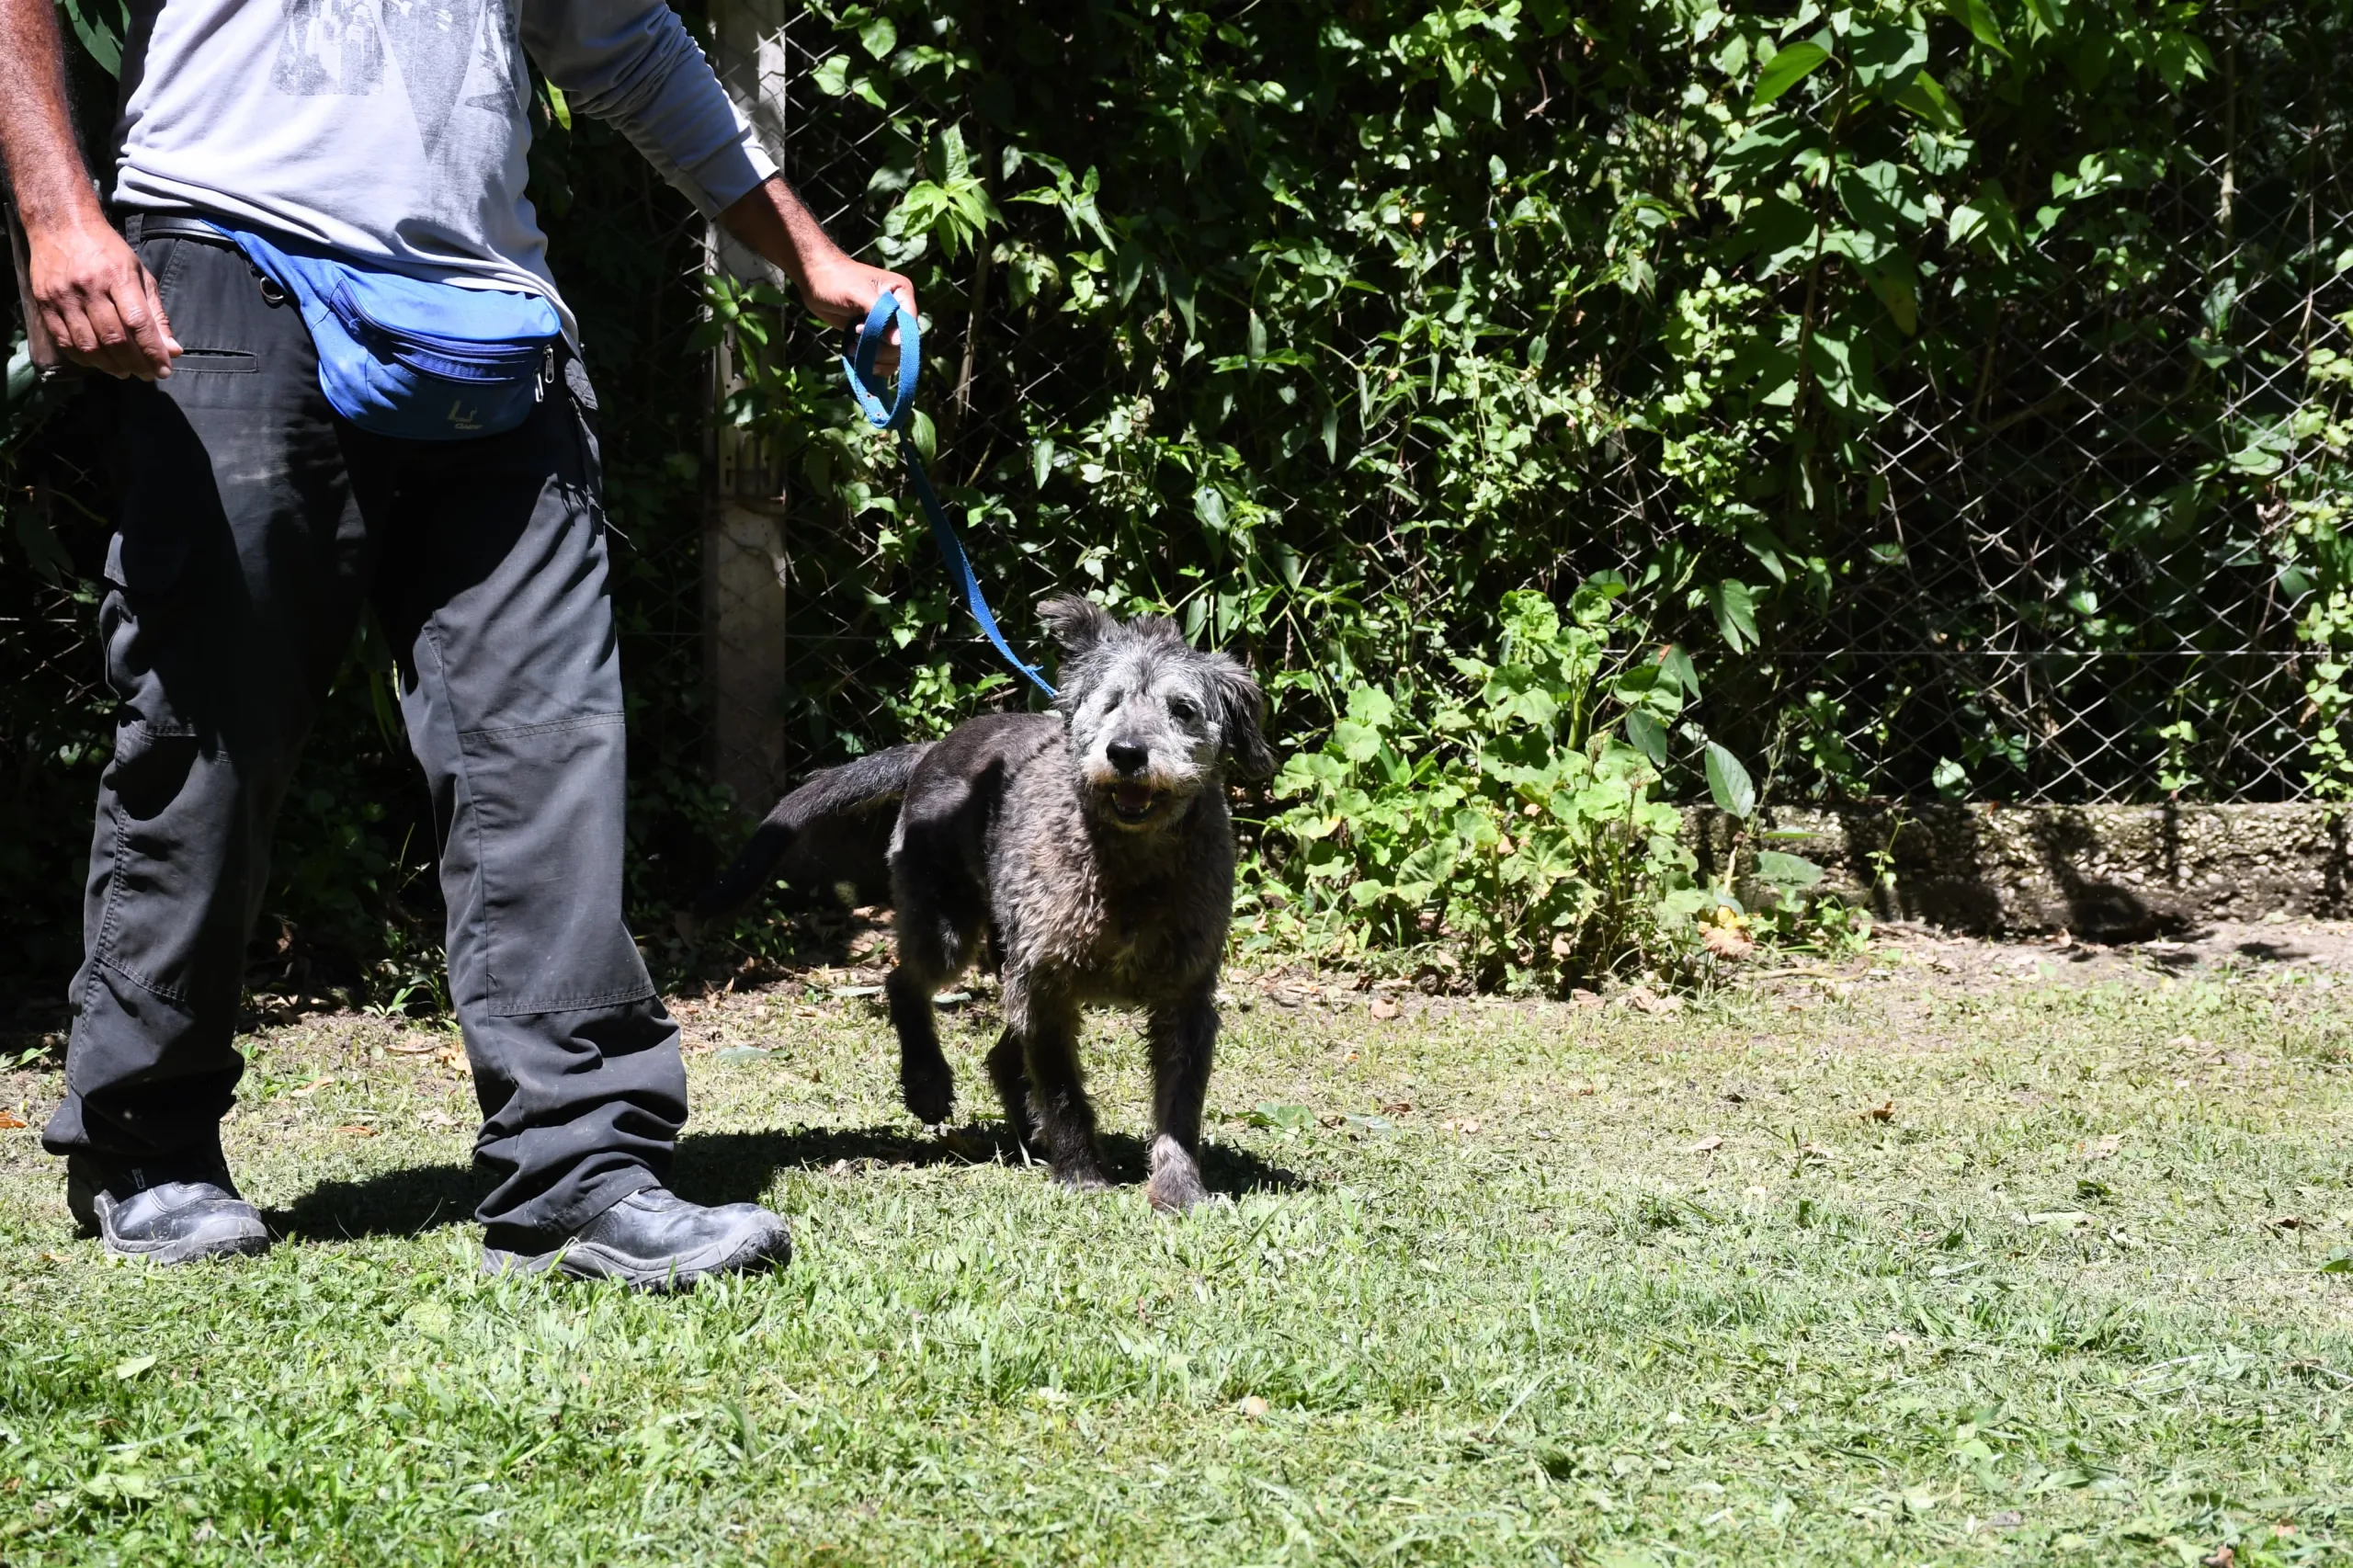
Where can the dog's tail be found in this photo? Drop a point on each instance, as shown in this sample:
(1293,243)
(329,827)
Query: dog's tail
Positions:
(855,788)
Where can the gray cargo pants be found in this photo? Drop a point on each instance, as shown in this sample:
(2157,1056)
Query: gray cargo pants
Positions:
(255,525)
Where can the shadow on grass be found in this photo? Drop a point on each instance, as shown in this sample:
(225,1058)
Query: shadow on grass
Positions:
(727,1167)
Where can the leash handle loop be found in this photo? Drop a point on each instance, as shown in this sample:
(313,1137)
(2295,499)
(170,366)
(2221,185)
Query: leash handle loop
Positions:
(858,368)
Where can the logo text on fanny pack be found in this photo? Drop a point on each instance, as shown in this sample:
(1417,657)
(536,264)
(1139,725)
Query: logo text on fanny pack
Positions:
(462,418)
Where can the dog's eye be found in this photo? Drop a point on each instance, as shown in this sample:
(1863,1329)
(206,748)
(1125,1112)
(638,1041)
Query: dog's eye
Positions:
(1183,712)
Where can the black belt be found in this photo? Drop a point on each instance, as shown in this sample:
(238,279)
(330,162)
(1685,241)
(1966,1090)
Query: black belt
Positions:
(139,226)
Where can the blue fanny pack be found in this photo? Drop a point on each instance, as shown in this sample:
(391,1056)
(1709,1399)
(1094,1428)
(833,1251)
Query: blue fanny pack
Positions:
(425,361)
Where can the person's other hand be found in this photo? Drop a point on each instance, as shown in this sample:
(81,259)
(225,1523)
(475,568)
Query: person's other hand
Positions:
(100,305)
(839,292)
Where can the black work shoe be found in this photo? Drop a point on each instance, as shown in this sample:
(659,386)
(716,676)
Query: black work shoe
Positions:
(653,1240)
(172,1211)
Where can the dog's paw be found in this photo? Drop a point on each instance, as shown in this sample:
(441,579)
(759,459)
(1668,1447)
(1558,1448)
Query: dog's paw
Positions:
(929,1094)
(1082,1176)
(1176,1189)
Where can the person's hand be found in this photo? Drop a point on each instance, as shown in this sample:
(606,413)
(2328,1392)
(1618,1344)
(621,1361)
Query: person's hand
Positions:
(98,303)
(839,292)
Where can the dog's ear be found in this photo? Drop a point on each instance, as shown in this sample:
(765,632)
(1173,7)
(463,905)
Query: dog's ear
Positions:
(1241,710)
(1075,624)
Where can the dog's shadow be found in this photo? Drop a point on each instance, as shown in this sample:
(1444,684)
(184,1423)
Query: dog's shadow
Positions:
(729,1168)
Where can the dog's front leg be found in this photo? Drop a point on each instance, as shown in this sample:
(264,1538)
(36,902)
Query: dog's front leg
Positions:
(926,1084)
(1182,1037)
(1059,1110)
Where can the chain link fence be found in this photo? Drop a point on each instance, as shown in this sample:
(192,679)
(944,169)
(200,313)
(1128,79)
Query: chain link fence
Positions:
(2057,615)
(2037,597)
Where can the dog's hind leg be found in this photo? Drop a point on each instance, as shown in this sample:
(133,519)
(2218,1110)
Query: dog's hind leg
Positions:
(1059,1109)
(1182,1038)
(1010,1073)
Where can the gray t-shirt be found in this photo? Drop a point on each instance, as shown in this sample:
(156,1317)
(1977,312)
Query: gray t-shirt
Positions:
(396,130)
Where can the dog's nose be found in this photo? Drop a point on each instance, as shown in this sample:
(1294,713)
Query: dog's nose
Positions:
(1127,757)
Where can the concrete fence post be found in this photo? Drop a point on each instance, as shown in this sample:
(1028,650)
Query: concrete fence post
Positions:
(744,557)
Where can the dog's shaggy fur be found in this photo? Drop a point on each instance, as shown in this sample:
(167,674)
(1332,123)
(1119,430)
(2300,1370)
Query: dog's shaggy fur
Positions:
(1091,850)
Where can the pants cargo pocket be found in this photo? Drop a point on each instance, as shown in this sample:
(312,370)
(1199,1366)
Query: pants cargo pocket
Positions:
(549,840)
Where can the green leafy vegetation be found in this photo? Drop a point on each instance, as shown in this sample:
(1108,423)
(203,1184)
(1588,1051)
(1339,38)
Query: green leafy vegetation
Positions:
(1905,1268)
(1949,385)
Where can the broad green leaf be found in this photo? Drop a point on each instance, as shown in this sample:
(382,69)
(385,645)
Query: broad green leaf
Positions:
(1268,1114)
(1371,707)
(1042,460)
(1357,742)
(1978,17)
(1902,305)
(1925,97)
(101,24)
(1648,735)
(1735,606)
(1209,505)
(955,163)
(832,75)
(1768,147)
(1786,69)
(1887,52)
(558,109)
(1673,661)
(1779,869)
(880,36)
(1729,785)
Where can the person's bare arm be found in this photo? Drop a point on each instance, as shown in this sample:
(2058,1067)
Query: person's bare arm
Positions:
(98,305)
(838,289)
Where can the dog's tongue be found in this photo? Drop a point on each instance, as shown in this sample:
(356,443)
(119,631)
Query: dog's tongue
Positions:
(1133,797)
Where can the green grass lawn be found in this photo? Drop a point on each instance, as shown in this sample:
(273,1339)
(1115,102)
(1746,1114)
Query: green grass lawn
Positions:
(1615,1288)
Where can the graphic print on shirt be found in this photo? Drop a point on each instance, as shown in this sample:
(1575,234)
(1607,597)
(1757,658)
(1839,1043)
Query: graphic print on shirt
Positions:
(329,48)
(338,49)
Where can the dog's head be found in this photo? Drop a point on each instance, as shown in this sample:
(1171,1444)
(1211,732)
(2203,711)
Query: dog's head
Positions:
(1153,720)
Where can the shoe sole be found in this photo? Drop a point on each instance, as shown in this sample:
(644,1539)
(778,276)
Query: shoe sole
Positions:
(172,1253)
(586,1260)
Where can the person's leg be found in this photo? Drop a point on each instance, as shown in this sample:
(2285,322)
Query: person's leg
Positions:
(493,591)
(235,579)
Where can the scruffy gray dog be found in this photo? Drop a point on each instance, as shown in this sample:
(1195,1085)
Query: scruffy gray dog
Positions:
(1090,848)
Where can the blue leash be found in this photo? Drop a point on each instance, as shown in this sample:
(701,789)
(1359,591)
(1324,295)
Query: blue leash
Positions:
(858,366)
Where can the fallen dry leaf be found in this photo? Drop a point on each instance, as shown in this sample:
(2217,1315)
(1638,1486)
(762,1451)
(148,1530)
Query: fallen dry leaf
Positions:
(1709,1144)
(1727,941)
(1563,947)
(2223,1557)
(357,1130)
(1814,1152)
(1581,997)
(2101,1148)
(1254,1407)
(1643,999)
(2286,1223)
(1384,1008)
(1396,1108)
(414,1045)
(1884,1112)
(10,1120)
(314,1086)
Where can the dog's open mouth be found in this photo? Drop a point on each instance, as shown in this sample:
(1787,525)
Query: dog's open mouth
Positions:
(1134,801)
